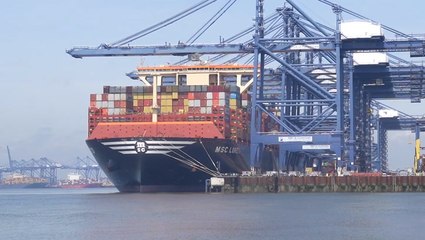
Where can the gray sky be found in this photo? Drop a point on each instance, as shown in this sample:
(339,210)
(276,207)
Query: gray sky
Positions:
(45,92)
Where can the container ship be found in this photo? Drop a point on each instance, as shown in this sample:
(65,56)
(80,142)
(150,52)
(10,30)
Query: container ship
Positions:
(76,181)
(183,125)
(17,180)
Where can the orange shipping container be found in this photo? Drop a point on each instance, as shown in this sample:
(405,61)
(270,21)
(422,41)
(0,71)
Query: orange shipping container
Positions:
(191,96)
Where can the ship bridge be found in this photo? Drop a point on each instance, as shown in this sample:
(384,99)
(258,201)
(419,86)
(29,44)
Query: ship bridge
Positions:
(189,75)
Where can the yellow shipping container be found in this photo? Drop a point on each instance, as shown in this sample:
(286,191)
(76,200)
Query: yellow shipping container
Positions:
(135,103)
(166,109)
(186,102)
(175,95)
(147,96)
(147,110)
(308,170)
(165,96)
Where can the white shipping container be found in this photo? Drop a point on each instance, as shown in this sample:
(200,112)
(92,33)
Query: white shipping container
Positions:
(370,58)
(111,97)
(98,97)
(203,110)
(388,113)
(216,181)
(99,104)
(209,103)
(209,95)
(244,103)
(74,177)
(208,110)
(104,104)
(222,102)
(123,97)
(111,111)
(191,103)
(111,104)
(221,95)
(360,29)
(197,103)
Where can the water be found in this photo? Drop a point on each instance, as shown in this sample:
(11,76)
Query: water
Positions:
(41,214)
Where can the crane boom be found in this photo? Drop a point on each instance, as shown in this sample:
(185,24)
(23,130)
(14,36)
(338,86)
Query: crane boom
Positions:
(180,49)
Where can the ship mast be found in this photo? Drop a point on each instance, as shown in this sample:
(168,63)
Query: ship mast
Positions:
(155,107)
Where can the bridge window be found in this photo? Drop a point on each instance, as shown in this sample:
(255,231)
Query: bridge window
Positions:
(182,80)
(213,79)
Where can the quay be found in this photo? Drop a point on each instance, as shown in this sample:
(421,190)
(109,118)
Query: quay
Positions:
(282,184)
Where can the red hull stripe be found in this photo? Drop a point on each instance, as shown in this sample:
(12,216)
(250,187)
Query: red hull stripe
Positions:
(106,130)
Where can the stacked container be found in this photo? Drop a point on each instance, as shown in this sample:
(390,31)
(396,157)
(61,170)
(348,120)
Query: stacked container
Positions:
(221,105)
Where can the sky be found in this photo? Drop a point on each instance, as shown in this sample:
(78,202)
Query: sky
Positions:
(45,92)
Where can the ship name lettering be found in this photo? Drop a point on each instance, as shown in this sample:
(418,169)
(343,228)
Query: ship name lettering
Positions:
(226,149)
(234,150)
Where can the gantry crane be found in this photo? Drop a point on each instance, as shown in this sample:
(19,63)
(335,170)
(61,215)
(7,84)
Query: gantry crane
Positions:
(322,108)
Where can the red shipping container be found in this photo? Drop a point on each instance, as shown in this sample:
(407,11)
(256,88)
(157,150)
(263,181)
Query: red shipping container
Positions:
(203,102)
(191,96)
(216,95)
(200,95)
(147,102)
(121,104)
(104,97)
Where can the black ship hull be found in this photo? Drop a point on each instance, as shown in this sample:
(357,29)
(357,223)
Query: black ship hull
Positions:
(24,185)
(167,165)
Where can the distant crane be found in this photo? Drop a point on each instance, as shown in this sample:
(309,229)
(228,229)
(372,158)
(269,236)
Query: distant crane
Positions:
(89,168)
(10,157)
(41,168)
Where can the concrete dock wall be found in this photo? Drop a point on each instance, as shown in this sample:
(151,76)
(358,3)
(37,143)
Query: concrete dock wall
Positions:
(274,184)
